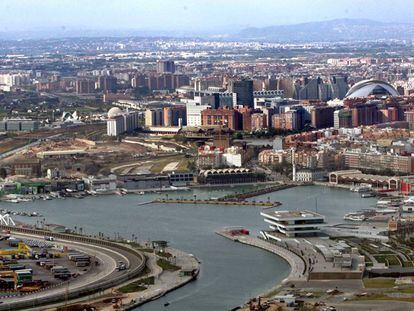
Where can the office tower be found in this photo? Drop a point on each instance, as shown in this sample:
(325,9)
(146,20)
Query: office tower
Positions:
(243,90)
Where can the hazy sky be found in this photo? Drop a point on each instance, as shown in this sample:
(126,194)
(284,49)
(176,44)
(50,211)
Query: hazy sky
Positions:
(190,14)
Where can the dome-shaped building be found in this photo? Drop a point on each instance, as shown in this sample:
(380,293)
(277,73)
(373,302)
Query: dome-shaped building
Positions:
(371,87)
(113,112)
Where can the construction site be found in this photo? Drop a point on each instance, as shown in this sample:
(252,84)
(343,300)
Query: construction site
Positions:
(79,157)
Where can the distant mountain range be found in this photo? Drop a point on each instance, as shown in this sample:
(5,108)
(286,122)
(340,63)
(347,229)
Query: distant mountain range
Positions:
(332,30)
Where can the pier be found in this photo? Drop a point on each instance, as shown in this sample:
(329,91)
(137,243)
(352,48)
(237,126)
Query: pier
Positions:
(254,193)
(266,204)
(298,269)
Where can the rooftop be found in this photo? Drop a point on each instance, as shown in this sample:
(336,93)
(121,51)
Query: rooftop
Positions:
(284,215)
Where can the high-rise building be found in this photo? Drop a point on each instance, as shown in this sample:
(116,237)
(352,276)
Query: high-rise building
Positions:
(138,80)
(291,119)
(107,83)
(343,118)
(195,106)
(84,86)
(175,116)
(165,66)
(245,122)
(318,89)
(322,117)
(364,114)
(154,117)
(243,90)
(259,121)
(121,121)
(409,116)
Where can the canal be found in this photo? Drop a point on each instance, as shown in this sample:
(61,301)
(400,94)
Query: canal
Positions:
(231,273)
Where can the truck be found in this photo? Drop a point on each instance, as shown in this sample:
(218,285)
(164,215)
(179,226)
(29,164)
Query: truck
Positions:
(82,263)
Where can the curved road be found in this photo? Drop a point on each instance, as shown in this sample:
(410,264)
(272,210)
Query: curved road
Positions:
(108,257)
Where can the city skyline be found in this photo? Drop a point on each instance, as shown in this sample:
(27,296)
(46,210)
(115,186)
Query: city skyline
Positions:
(187,17)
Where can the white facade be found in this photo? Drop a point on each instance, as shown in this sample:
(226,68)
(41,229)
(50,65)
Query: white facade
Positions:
(194,108)
(309,176)
(233,157)
(115,126)
(101,184)
(121,123)
(294,223)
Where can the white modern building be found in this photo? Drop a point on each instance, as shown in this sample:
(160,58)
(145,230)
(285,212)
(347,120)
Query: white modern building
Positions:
(194,108)
(310,175)
(293,224)
(121,121)
(233,156)
(101,184)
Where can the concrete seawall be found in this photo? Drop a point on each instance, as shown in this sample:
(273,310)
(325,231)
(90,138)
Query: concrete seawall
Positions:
(297,265)
(156,292)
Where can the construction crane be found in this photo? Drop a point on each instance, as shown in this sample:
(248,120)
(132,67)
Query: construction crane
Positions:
(22,249)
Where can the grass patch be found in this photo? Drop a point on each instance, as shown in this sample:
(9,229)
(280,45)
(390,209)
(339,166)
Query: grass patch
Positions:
(405,290)
(158,165)
(137,286)
(379,282)
(384,297)
(166,265)
(164,254)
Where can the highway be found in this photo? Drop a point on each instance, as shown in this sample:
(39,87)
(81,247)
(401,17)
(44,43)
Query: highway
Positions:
(105,273)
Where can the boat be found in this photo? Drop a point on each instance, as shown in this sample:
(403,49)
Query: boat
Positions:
(367,195)
(355,217)
(361,188)
(179,188)
(12,201)
(385,203)
(408,208)
(368,214)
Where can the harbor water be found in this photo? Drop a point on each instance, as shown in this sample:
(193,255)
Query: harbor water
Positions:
(231,273)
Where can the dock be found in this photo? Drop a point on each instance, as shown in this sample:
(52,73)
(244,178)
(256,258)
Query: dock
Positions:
(254,193)
(266,204)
